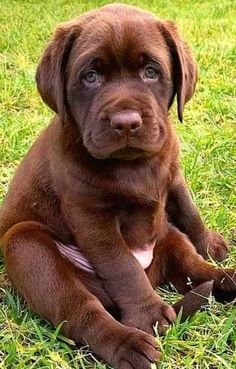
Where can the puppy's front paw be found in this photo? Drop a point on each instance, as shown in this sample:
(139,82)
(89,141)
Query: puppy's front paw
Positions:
(135,349)
(214,245)
(145,317)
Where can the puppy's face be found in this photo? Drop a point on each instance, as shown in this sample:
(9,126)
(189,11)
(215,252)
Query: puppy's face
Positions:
(119,87)
(119,70)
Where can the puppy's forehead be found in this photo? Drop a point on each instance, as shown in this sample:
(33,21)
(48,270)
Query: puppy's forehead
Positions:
(121,34)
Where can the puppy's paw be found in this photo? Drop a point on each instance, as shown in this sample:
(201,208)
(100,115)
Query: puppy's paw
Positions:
(224,288)
(135,349)
(146,317)
(214,245)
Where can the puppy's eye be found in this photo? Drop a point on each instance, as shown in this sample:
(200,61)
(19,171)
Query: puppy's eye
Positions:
(91,77)
(150,72)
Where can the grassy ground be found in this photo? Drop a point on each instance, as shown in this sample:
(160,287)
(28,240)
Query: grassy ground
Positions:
(208,339)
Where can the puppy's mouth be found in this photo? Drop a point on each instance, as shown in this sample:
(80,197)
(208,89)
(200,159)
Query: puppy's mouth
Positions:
(125,149)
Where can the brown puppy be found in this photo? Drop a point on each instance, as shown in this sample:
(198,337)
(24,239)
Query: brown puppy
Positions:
(95,213)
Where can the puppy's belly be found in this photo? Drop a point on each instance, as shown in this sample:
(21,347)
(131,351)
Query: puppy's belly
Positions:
(144,255)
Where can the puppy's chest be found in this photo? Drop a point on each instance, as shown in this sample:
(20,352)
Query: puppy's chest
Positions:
(137,226)
(141,227)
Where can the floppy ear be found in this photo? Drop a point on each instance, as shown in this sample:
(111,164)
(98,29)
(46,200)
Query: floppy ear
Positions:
(50,75)
(184,66)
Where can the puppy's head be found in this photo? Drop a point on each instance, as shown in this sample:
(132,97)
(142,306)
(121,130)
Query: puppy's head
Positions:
(116,71)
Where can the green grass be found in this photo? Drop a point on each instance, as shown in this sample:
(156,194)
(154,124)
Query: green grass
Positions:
(208,340)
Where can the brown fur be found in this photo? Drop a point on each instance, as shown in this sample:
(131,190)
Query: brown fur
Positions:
(87,184)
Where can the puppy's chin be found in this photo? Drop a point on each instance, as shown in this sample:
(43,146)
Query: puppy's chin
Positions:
(130,153)
(125,153)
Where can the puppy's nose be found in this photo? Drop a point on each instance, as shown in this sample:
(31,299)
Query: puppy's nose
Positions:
(126,121)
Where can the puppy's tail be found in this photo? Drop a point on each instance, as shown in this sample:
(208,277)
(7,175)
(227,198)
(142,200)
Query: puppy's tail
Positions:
(194,300)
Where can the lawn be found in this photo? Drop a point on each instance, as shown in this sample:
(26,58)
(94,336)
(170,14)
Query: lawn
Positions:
(207,340)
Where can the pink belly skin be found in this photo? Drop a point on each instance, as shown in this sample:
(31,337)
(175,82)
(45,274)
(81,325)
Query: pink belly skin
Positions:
(144,255)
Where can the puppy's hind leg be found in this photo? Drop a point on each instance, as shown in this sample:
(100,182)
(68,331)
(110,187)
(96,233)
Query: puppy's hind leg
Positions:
(51,287)
(177,261)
